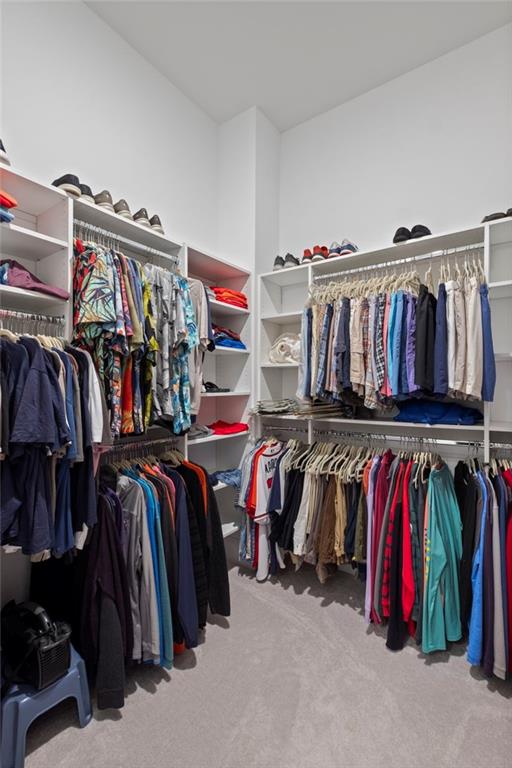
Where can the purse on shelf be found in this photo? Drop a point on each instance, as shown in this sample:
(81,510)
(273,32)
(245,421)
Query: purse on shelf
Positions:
(285,349)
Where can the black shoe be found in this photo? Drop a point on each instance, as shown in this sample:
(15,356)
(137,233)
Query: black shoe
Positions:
(508,212)
(401,235)
(86,194)
(69,183)
(157,224)
(3,154)
(290,260)
(141,217)
(495,216)
(278,262)
(420,231)
(211,387)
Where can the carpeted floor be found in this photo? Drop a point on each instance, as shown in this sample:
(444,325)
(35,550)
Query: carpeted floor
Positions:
(294,679)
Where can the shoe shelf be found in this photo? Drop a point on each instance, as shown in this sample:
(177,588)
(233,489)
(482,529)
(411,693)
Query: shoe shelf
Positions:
(33,198)
(98,216)
(19,242)
(225,394)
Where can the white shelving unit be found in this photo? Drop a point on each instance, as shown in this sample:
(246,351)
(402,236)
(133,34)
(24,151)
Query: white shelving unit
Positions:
(40,239)
(225,367)
(282,295)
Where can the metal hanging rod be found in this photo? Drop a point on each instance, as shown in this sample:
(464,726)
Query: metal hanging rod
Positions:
(275,428)
(141,445)
(133,244)
(11,313)
(398,262)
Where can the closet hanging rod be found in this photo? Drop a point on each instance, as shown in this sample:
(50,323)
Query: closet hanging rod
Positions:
(410,259)
(79,224)
(5,313)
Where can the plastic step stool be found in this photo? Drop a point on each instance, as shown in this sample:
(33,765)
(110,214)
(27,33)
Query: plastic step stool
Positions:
(23,704)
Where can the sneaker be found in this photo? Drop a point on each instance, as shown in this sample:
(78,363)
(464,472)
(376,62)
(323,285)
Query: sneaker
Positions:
(325,251)
(141,217)
(401,235)
(290,260)
(69,183)
(317,254)
(86,194)
(104,200)
(495,216)
(335,249)
(123,209)
(307,257)
(3,154)
(157,224)
(420,231)
(278,262)
(348,247)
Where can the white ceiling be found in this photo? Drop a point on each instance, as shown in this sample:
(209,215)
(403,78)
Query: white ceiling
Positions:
(294,60)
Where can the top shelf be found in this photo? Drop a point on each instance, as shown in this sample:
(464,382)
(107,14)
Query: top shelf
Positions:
(213,269)
(124,228)
(33,198)
(421,246)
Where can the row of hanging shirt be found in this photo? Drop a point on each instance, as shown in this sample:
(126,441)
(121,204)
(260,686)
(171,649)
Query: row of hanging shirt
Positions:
(146,328)
(398,520)
(153,565)
(54,427)
(380,341)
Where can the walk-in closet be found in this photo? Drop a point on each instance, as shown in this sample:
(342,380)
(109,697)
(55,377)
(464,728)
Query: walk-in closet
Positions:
(256,384)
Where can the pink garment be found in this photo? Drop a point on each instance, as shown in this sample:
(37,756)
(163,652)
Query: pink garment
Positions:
(18,276)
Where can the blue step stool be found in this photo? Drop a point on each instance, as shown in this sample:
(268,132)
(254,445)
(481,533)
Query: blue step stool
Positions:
(23,704)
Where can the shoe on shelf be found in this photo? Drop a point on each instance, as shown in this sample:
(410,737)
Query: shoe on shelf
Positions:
(347,246)
(156,224)
(334,250)
(317,254)
(86,194)
(496,216)
(210,386)
(141,217)
(419,230)
(3,154)
(68,183)
(278,263)
(290,260)
(401,235)
(307,256)
(104,200)
(123,209)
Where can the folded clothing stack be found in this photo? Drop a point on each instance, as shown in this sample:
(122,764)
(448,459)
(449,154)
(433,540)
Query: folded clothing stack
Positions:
(228,428)
(284,406)
(7,203)
(232,477)
(430,412)
(230,296)
(225,337)
(17,276)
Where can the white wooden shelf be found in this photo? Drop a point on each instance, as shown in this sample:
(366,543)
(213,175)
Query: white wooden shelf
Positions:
(222,308)
(22,243)
(112,222)
(225,394)
(220,487)
(229,351)
(379,423)
(503,357)
(283,318)
(32,196)
(279,365)
(214,438)
(289,276)
(501,289)
(214,269)
(500,426)
(26,301)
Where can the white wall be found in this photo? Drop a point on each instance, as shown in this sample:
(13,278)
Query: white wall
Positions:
(77,98)
(268,143)
(433,147)
(236,188)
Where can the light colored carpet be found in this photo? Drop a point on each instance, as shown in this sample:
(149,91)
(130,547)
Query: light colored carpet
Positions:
(297,680)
